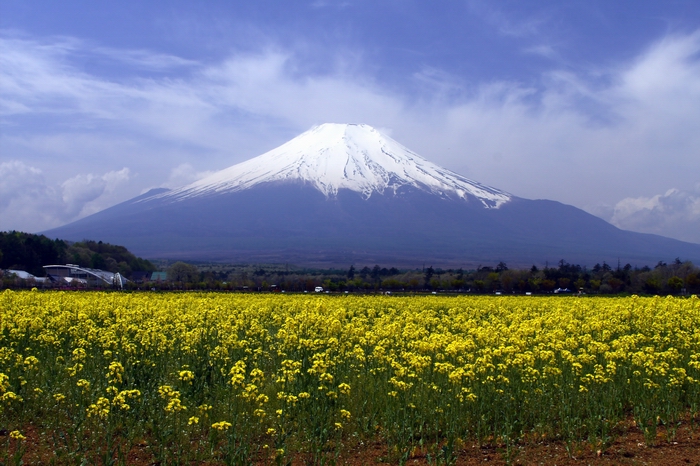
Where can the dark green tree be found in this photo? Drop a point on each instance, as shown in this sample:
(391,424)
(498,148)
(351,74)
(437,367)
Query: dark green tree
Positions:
(429,272)
(675,284)
(182,272)
(29,252)
(692,282)
(501,267)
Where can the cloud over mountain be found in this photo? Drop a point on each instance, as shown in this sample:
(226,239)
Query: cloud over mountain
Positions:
(676,210)
(29,202)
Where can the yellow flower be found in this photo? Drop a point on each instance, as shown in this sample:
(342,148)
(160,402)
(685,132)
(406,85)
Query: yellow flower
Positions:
(11,396)
(221,425)
(120,398)
(237,373)
(30,363)
(166,391)
(99,409)
(17,435)
(4,382)
(204,408)
(175,406)
(73,370)
(115,373)
(79,354)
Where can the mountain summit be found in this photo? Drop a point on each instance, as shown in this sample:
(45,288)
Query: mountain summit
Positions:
(331,157)
(347,194)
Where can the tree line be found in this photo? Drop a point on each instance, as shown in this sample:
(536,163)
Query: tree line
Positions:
(673,278)
(30,252)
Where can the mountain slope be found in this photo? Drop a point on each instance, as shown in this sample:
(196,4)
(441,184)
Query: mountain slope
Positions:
(342,194)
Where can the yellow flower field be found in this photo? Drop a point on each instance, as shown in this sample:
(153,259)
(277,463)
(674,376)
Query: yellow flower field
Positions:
(235,379)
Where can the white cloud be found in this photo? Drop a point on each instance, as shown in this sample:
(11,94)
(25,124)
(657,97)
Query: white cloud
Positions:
(266,85)
(544,50)
(80,190)
(26,202)
(325,4)
(587,138)
(18,179)
(29,203)
(184,174)
(145,59)
(85,194)
(675,213)
(503,23)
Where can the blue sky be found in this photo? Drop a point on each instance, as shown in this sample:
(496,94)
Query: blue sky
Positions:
(591,103)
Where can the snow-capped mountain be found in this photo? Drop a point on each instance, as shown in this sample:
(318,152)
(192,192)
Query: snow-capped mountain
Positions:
(331,157)
(347,194)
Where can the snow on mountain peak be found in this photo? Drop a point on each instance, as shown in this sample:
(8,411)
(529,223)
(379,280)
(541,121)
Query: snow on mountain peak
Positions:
(332,156)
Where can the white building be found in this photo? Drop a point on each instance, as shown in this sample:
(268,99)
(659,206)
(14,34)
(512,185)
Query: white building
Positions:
(71,273)
(21,274)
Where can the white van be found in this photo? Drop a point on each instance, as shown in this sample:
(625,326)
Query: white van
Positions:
(318,289)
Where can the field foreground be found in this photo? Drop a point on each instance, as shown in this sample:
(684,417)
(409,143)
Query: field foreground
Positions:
(112,378)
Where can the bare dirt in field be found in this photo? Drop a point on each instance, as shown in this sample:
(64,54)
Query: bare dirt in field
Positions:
(630,448)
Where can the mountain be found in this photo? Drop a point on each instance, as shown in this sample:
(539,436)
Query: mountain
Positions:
(340,194)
